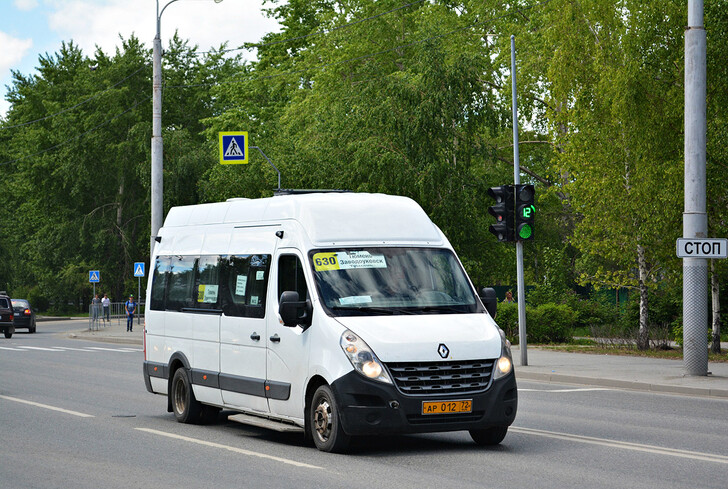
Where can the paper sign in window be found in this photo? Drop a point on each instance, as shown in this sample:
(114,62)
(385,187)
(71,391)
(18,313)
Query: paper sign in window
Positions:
(207,294)
(241,284)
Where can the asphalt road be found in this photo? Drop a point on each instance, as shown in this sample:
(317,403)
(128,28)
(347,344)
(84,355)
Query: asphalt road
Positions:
(75,414)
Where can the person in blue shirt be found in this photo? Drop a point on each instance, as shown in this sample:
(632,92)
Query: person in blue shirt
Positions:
(130,306)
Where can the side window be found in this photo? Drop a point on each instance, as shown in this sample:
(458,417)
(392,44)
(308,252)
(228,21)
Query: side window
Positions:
(291,277)
(181,282)
(245,284)
(208,280)
(159,283)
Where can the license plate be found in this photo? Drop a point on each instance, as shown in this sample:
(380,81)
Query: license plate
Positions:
(447,407)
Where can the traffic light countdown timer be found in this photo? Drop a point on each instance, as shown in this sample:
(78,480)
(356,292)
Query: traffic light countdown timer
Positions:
(514,212)
(503,211)
(525,212)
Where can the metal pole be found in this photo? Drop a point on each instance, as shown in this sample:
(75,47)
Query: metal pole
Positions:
(519,244)
(695,219)
(271,164)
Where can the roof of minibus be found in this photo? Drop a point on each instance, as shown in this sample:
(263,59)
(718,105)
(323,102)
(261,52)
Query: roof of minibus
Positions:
(325,217)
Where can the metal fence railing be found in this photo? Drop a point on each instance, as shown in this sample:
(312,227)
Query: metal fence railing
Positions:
(99,317)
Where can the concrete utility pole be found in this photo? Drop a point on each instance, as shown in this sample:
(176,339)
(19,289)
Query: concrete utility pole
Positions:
(519,245)
(157,199)
(695,219)
(157,202)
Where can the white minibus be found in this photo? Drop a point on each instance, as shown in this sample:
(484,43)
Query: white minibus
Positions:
(333,313)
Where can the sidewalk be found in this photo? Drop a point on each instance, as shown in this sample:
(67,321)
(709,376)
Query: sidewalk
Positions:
(615,371)
(112,332)
(624,372)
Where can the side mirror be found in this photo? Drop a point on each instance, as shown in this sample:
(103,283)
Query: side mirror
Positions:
(490,301)
(294,311)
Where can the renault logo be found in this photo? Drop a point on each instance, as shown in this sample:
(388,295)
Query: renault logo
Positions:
(443,350)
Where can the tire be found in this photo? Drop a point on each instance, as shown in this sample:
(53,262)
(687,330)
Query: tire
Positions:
(489,436)
(31,329)
(8,334)
(186,408)
(325,422)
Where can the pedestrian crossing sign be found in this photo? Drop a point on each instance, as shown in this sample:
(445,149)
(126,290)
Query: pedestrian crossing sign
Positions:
(233,148)
(139,269)
(94,276)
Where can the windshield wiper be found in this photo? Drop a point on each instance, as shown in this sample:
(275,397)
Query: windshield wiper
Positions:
(379,310)
(440,309)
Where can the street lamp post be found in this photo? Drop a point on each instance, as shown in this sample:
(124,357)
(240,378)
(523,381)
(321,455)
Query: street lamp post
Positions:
(157,203)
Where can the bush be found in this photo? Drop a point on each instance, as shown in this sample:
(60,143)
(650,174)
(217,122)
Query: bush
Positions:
(550,323)
(590,313)
(547,323)
(507,319)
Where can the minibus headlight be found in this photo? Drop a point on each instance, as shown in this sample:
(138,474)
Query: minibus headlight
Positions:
(362,357)
(504,364)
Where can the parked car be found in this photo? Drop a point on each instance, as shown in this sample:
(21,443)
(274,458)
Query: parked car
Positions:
(6,315)
(24,315)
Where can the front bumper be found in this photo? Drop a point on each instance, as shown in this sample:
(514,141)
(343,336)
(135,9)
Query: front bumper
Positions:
(371,408)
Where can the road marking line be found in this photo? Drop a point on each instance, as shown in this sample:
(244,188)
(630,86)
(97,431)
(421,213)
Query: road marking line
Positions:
(37,348)
(67,348)
(11,349)
(121,350)
(566,390)
(227,447)
(707,457)
(46,406)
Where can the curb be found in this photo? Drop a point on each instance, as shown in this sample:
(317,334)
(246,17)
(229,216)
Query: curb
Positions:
(105,337)
(624,384)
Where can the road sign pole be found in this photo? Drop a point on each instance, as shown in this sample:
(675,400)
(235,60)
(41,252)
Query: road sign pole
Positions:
(695,220)
(519,245)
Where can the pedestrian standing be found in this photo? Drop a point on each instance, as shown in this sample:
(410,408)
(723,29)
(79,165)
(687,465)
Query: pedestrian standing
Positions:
(95,307)
(130,308)
(106,304)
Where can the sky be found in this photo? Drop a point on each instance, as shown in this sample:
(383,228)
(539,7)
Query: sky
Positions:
(33,28)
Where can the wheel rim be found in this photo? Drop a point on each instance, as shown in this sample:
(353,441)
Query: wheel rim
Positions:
(180,395)
(322,420)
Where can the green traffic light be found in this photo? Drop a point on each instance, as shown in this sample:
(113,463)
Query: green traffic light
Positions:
(525,231)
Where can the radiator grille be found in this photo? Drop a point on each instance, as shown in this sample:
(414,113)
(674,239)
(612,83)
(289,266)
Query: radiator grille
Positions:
(451,377)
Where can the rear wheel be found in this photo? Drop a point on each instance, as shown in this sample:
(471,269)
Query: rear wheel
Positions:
(31,329)
(489,436)
(8,334)
(186,408)
(325,422)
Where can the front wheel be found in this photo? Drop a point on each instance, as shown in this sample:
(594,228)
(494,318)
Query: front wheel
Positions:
(325,422)
(186,408)
(489,436)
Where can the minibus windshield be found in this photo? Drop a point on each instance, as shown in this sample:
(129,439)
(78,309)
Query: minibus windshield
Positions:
(392,281)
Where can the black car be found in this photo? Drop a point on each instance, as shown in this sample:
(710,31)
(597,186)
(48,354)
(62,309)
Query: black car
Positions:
(24,315)
(6,316)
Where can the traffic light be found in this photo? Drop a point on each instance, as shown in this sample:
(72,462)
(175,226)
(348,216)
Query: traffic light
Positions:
(503,212)
(525,212)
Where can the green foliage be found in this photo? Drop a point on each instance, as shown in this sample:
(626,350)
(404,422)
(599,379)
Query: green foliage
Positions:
(547,323)
(414,102)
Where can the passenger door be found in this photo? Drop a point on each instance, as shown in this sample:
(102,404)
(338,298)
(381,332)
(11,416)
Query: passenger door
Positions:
(243,331)
(288,348)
